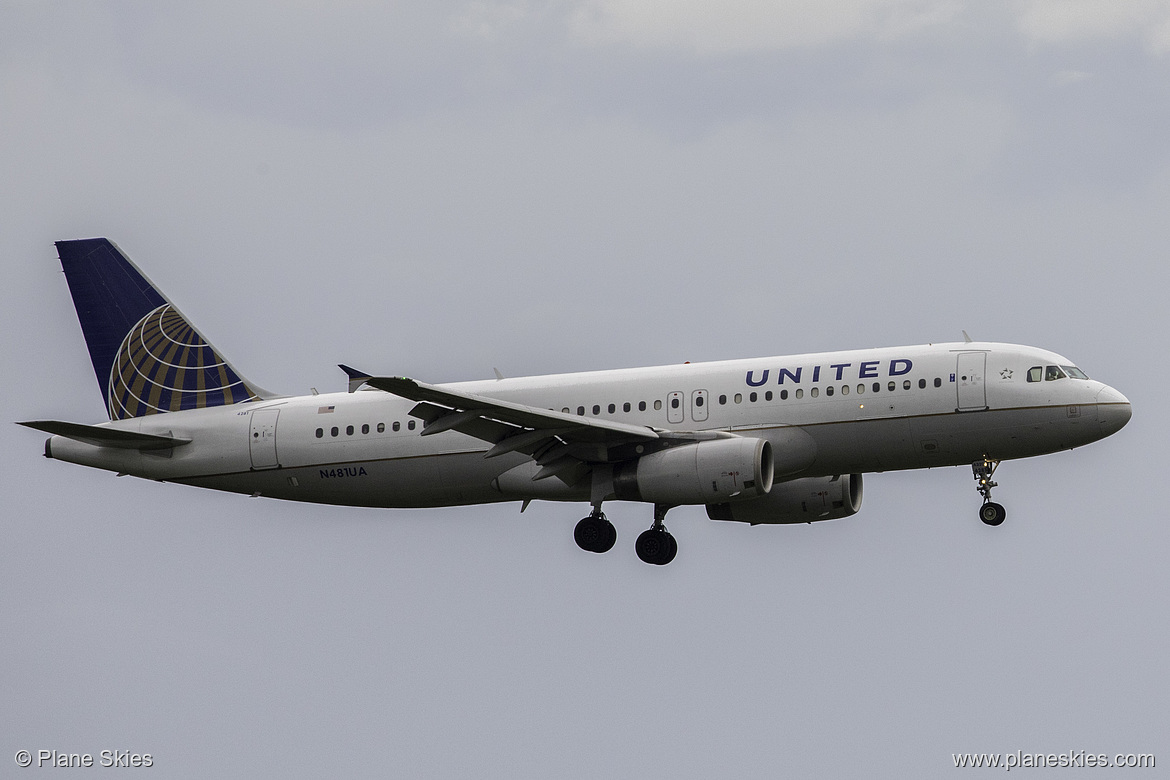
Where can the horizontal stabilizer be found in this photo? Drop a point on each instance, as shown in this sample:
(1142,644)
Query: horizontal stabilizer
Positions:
(101,436)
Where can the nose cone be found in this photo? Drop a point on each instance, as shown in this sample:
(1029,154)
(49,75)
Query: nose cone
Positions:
(1113,410)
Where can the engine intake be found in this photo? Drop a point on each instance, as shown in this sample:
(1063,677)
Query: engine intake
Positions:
(799,501)
(698,473)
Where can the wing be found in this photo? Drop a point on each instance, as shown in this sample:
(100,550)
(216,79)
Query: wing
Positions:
(555,440)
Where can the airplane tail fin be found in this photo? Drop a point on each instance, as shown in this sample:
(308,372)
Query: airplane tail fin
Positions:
(147,356)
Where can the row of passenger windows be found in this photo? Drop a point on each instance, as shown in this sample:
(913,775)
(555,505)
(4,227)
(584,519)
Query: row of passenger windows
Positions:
(676,402)
(349,429)
(768,395)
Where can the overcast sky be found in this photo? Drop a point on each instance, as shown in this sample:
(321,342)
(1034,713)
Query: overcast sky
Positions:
(440,189)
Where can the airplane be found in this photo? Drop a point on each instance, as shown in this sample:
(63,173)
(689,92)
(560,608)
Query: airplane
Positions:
(771,440)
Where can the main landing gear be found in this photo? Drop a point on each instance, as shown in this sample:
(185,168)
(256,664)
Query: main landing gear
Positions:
(990,513)
(595,533)
(656,545)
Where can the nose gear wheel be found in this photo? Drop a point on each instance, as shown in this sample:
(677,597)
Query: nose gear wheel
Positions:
(990,513)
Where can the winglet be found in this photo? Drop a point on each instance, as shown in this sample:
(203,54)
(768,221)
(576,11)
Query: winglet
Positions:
(356,378)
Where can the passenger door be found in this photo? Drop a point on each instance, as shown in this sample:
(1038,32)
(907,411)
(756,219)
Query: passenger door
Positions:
(262,439)
(969,381)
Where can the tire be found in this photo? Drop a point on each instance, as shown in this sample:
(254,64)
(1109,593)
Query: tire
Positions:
(992,513)
(656,547)
(589,534)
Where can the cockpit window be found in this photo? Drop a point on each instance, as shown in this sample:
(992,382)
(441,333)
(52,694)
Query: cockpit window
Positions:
(1035,373)
(1053,372)
(1075,372)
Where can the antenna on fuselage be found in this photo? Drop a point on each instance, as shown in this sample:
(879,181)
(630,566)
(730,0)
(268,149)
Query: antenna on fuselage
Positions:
(967,339)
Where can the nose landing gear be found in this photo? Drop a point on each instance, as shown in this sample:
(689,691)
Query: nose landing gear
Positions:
(990,513)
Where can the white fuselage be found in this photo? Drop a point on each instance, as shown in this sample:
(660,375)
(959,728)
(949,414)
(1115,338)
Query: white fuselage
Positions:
(865,411)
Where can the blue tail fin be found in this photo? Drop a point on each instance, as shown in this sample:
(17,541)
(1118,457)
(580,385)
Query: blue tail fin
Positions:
(147,356)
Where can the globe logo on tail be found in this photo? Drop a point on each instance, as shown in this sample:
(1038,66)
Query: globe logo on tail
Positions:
(164,365)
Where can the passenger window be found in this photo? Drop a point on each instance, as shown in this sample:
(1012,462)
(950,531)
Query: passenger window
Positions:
(333,431)
(906,385)
(937,382)
(641,406)
(877,387)
(581,410)
(814,392)
(921,384)
(698,400)
(722,400)
(564,410)
(349,430)
(410,425)
(674,402)
(658,405)
(397,426)
(783,395)
(626,406)
(829,390)
(381,427)
(768,396)
(844,389)
(366,428)
(739,398)
(893,386)
(612,408)
(752,397)
(799,392)
(1035,373)
(860,389)
(597,408)
(320,433)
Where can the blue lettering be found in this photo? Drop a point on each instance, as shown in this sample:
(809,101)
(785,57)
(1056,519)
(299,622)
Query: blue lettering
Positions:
(840,367)
(816,373)
(794,377)
(894,371)
(757,384)
(868,369)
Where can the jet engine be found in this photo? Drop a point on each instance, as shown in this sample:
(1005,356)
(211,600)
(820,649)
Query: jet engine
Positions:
(698,473)
(799,501)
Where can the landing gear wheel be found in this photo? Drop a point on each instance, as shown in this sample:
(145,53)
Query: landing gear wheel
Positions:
(992,513)
(983,470)
(656,546)
(595,534)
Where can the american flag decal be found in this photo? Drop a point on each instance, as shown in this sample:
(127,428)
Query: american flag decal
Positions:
(325,409)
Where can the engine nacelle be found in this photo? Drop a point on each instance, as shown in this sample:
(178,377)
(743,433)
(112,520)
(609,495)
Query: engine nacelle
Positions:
(698,473)
(799,501)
